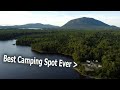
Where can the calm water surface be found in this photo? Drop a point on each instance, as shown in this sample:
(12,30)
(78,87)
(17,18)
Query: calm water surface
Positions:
(24,71)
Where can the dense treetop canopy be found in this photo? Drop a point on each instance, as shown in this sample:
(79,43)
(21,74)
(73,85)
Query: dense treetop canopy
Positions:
(81,45)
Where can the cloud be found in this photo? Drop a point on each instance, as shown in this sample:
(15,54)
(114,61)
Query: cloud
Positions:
(24,17)
(56,17)
(14,17)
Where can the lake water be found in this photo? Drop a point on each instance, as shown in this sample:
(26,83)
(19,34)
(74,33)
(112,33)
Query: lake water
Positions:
(24,71)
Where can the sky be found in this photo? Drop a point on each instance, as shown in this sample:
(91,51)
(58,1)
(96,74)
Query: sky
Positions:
(57,18)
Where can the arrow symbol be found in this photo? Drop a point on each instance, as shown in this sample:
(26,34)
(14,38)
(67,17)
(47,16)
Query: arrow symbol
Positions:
(75,64)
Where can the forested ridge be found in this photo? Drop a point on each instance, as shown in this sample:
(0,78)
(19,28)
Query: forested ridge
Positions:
(82,45)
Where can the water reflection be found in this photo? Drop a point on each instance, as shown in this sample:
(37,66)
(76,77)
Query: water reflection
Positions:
(24,71)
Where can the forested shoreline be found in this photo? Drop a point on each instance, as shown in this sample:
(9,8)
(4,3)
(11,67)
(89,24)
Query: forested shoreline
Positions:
(81,45)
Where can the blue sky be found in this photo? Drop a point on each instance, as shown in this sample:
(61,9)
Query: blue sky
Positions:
(58,18)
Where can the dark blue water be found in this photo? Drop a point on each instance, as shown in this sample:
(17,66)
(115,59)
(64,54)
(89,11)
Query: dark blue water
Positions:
(24,71)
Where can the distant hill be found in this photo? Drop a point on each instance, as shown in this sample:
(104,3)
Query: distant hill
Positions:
(87,23)
(79,23)
(30,26)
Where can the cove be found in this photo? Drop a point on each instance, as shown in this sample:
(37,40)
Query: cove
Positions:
(21,71)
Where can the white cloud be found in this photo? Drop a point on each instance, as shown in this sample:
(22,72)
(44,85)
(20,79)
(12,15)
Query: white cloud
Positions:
(23,17)
(55,17)
(14,17)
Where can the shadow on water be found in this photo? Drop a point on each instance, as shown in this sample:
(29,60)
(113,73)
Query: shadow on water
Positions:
(24,71)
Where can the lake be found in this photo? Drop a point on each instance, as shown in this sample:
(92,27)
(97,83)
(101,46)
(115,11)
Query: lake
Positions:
(24,71)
